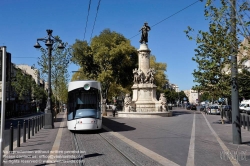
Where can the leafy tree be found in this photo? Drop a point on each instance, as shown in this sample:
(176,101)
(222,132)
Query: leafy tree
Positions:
(109,58)
(79,75)
(243,83)
(214,48)
(23,84)
(62,89)
(205,96)
(60,60)
(160,76)
(26,88)
(182,95)
(173,96)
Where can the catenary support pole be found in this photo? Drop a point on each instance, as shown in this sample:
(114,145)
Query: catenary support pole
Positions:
(3,48)
(234,72)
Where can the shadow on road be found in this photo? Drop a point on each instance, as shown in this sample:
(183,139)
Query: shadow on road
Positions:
(116,126)
(177,113)
(111,124)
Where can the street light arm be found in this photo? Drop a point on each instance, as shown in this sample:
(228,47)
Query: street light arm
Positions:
(42,39)
(53,39)
(56,40)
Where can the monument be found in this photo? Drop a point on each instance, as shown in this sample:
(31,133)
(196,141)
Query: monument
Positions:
(144,102)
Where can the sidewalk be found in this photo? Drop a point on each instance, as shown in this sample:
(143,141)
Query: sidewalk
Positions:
(37,149)
(233,152)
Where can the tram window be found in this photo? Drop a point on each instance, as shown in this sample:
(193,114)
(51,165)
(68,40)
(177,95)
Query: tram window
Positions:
(84,103)
(88,99)
(71,107)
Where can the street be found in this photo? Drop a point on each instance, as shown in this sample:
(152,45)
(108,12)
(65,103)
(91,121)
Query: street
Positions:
(187,138)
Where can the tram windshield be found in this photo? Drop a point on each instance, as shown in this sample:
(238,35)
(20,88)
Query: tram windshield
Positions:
(84,104)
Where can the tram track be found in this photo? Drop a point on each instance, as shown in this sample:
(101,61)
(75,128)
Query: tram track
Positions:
(78,140)
(80,157)
(118,150)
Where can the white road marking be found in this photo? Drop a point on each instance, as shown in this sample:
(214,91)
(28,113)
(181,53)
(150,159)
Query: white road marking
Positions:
(57,142)
(223,146)
(190,159)
(158,158)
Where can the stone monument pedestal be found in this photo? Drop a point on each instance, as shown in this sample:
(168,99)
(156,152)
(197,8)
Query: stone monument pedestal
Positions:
(144,103)
(144,114)
(144,98)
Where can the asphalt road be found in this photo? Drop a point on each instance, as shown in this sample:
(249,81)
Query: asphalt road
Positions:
(186,138)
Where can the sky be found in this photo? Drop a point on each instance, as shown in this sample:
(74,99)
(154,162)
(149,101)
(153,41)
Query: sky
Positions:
(23,21)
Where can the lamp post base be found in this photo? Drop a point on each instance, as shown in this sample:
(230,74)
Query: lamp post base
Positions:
(48,121)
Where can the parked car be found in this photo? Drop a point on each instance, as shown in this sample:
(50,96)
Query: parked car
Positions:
(203,108)
(246,109)
(213,109)
(227,108)
(244,106)
(193,107)
(188,107)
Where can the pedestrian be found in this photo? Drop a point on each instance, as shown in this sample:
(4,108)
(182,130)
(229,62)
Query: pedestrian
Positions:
(55,111)
(114,110)
(222,114)
(38,109)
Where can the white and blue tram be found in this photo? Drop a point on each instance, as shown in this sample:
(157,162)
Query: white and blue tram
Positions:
(84,108)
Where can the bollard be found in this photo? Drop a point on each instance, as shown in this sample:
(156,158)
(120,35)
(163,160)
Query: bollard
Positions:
(33,123)
(24,131)
(11,138)
(240,120)
(244,124)
(29,129)
(38,123)
(18,134)
(41,122)
(248,125)
(41,117)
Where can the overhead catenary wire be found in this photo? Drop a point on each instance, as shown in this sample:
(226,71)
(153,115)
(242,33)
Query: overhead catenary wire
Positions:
(171,16)
(24,57)
(95,20)
(87,19)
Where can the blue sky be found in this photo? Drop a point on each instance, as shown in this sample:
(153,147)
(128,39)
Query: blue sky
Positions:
(23,21)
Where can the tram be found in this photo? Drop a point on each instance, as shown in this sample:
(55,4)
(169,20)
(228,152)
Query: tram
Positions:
(84,108)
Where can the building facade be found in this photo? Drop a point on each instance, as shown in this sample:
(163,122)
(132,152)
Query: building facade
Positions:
(193,96)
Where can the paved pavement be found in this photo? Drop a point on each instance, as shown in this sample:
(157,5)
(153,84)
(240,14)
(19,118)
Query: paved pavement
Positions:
(37,146)
(187,138)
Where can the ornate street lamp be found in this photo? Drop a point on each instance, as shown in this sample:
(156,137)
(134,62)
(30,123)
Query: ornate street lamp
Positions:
(49,41)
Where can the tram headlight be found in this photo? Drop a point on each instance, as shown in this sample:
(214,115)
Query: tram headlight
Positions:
(86,87)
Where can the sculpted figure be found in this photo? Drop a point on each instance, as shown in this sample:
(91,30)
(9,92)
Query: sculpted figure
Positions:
(144,33)
(151,80)
(163,101)
(135,72)
(127,102)
(140,76)
(148,74)
(152,71)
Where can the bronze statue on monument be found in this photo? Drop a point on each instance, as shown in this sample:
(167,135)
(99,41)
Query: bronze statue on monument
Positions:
(144,33)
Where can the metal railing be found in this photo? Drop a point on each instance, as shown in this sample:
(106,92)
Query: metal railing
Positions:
(30,126)
(244,119)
